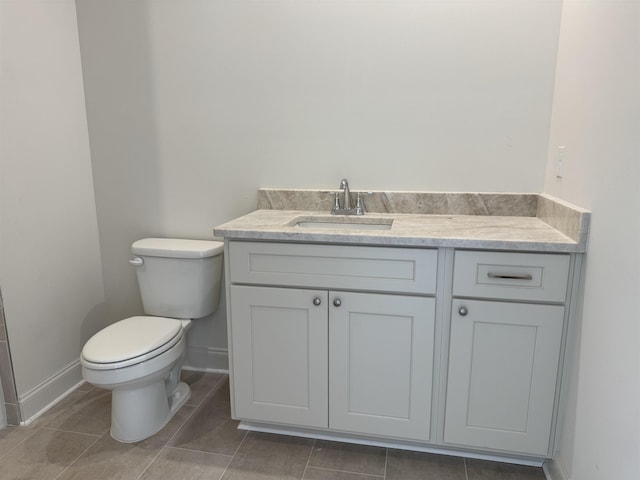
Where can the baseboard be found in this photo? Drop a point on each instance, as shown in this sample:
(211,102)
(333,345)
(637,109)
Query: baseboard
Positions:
(49,392)
(555,469)
(207,359)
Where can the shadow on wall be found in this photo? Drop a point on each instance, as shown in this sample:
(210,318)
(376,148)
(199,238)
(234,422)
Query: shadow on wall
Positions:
(9,411)
(93,322)
(123,134)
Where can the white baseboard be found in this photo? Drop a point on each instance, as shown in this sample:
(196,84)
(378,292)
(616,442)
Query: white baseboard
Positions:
(49,392)
(207,359)
(555,469)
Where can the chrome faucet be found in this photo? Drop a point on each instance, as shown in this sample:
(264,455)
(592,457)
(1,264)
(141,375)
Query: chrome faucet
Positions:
(344,186)
(346,208)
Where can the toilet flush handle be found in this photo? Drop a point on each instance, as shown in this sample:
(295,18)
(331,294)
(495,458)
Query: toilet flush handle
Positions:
(136,262)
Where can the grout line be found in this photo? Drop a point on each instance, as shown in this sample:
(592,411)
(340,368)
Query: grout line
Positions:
(373,476)
(246,433)
(81,454)
(169,447)
(206,396)
(466,472)
(193,411)
(386,462)
(20,442)
(74,431)
(151,462)
(214,389)
(313,445)
(184,422)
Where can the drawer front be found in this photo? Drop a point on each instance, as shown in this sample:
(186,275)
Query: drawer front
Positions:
(511,276)
(380,269)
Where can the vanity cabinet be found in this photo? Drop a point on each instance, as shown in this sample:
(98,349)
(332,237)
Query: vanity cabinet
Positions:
(345,360)
(504,350)
(348,339)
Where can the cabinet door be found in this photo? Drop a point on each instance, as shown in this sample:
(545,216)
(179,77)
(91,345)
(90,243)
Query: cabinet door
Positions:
(280,355)
(381,364)
(503,365)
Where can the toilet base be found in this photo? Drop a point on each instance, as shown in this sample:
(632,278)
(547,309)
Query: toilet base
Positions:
(137,414)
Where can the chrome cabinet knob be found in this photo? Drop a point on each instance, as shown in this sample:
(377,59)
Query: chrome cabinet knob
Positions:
(337,302)
(317,301)
(463,311)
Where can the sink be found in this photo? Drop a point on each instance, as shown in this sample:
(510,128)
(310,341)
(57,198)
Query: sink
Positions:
(341,223)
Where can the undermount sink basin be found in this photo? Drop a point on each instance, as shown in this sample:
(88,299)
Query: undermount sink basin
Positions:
(342,223)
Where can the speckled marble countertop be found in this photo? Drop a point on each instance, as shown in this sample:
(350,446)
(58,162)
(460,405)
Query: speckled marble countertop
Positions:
(521,222)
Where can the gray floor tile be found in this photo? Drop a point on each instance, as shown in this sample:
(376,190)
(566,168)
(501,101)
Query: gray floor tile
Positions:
(485,470)
(265,456)
(211,428)
(178,464)
(90,413)
(321,474)
(200,383)
(71,441)
(64,406)
(11,437)
(112,460)
(348,457)
(405,465)
(44,455)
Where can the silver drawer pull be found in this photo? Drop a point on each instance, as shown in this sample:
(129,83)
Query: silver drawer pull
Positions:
(510,276)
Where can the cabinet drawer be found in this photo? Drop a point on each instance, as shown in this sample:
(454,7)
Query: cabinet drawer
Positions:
(381,269)
(512,276)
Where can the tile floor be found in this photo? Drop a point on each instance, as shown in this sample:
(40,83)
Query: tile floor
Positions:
(71,441)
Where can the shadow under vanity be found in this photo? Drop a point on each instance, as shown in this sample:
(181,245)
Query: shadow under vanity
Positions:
(444,327)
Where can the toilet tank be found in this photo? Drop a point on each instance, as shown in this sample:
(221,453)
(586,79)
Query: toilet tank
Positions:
(178,278)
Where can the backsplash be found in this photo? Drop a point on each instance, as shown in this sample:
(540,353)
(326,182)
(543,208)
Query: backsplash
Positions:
(429,203)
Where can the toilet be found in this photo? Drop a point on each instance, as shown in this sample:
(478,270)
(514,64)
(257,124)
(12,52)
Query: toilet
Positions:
(140,358)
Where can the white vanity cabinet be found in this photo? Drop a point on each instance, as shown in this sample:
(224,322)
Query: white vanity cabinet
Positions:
(310,349)
(348,339)
(504,353)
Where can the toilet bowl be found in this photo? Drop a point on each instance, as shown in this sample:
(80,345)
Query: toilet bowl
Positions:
(139,358)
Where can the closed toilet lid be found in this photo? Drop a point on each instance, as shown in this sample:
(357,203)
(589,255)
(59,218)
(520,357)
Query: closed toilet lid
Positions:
(130,338)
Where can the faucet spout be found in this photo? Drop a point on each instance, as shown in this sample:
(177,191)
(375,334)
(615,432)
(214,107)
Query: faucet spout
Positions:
(344,186)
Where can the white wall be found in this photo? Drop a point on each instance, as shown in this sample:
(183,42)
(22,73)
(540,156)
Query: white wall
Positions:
(50,268)
(193,105)
(596,115)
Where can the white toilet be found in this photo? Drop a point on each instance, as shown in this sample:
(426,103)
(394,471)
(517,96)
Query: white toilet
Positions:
(139,358)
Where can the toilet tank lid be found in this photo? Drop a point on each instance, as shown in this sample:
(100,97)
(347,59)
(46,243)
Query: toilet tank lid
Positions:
(177,248)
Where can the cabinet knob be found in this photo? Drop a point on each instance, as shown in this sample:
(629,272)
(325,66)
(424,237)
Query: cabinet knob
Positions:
(463,311)
(337,302)
(317,301)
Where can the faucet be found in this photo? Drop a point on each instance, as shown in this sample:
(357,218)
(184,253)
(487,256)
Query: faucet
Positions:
(344,186)
(346,208)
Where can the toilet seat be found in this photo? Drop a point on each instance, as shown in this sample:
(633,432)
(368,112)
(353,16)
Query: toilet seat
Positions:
(131,341)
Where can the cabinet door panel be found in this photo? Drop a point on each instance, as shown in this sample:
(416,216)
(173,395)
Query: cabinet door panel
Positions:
(280,355)
(503,363)
(381,361)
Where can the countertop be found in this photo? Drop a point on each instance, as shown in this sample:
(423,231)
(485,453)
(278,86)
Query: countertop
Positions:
(544,225)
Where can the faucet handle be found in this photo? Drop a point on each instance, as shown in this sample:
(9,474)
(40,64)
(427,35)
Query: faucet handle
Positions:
(359,208)
(336,200)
